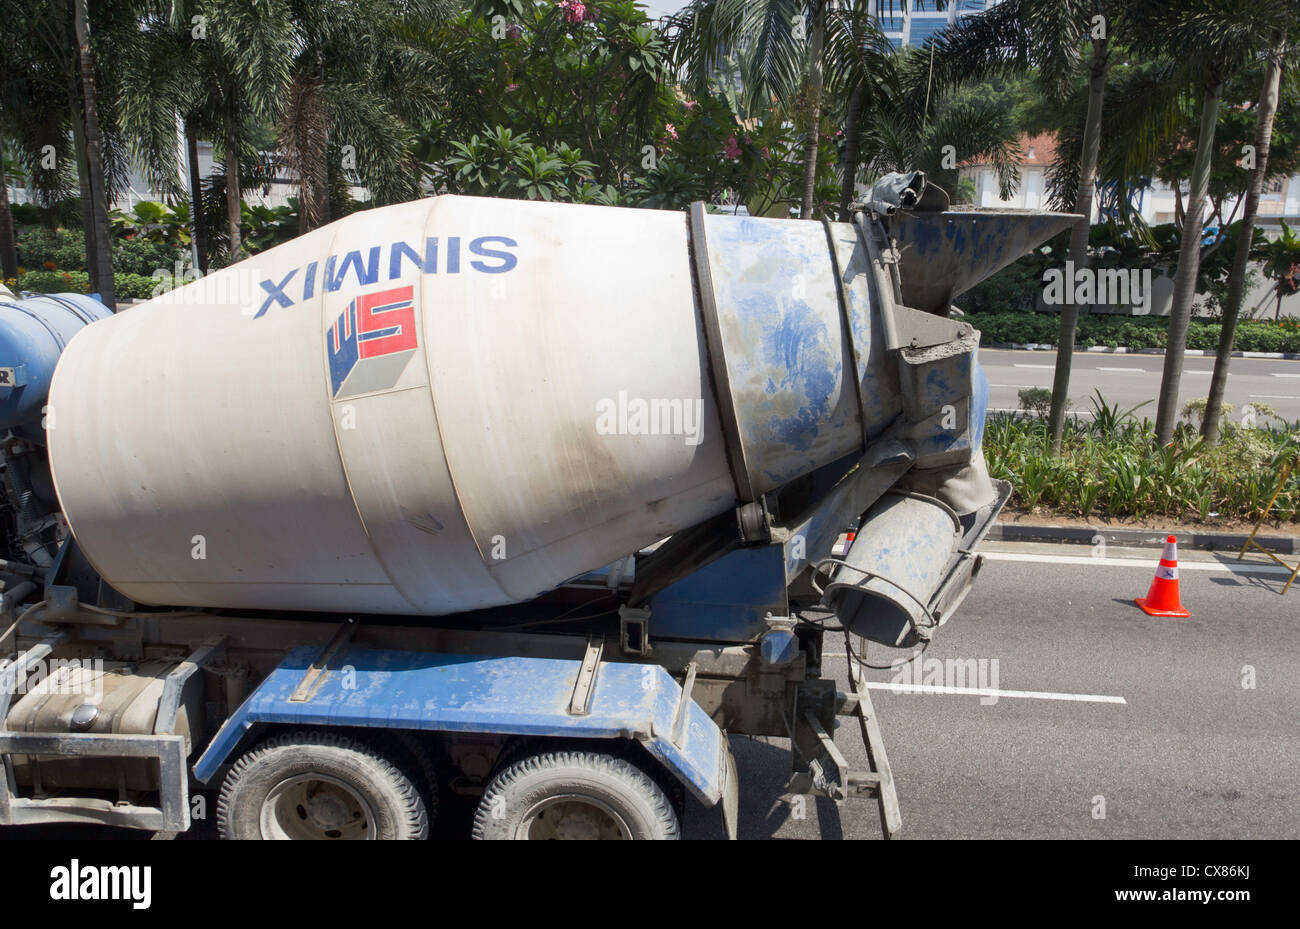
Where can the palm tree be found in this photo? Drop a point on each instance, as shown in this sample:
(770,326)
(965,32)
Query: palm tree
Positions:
(1046,38)
(865,73)
(249,60)
(8,243)
(99,196)
(1266,110)
(34,118)
(360,77)
(1219,37)
(788,47)
(910,132)
(51,79)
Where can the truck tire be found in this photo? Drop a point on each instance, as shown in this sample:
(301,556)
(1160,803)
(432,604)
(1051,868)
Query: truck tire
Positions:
(574,795)
(319,785)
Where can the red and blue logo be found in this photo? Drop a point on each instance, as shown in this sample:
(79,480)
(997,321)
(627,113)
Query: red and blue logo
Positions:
(371,341)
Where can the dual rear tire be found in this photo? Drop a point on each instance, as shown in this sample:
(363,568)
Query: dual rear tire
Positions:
(318,785)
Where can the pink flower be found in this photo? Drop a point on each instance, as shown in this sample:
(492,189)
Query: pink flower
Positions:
(511,87)
(732,148)
(574,10)
(671,130)
(691,104)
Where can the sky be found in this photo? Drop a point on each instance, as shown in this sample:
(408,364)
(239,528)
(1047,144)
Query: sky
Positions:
(656,8)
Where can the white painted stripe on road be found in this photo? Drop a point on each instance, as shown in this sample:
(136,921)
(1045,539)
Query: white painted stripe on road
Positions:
(1279,374)
(1273,397)
(990,692)
(1234,568)
(1013,386)
(900,688)
(1048,367)
(1139,370)
(1010,409)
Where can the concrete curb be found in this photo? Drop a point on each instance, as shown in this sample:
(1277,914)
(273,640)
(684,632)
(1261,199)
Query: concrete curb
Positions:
(1136,538)
(1108,350)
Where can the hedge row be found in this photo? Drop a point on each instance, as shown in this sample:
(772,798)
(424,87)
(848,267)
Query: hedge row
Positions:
(1133,332)
(129,286)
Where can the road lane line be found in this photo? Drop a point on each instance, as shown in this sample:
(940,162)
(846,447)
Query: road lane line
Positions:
(1272,397)
(1234,568)
(1047,367)
(1278,374)
(1016,409)
(899,688)
(1140,370)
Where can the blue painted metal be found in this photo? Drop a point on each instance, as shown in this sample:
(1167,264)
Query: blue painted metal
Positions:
(944,254)
(726,600)
(979,403)
(33,333)
(784,346)
(778,647)
(479,693)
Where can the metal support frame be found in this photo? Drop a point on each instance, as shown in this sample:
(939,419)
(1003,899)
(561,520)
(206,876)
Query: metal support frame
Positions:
(821,768)
(580,702)
(312,678)
(172,813)
(881,780)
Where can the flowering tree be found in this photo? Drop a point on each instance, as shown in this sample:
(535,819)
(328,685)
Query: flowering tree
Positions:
(586,89)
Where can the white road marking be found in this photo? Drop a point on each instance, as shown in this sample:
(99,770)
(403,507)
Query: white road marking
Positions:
(1185,371)
(1013,386)
(990,692)
(1276,374)
(1272,397)
(1010,409)
(1048,367)
(900,688)
(1149,564)
(1139,370)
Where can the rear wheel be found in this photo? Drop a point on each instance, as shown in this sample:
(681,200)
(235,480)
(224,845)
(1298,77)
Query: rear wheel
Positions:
(574,795)
(319,786)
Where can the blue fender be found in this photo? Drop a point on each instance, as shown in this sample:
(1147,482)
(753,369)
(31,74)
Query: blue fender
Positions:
(479,693)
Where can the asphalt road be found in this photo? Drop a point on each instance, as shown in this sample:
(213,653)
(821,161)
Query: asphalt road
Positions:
(1189,753)
(1130,379)
(1148,714)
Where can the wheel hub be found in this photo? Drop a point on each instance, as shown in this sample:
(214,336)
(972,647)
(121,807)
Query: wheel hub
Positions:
(316,806)
(572,818)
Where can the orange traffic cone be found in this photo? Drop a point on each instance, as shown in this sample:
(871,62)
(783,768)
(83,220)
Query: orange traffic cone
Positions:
(1162,598)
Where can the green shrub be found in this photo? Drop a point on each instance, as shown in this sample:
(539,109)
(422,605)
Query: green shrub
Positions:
(140,286)
(51,249)
(140,256)
(1110,465)
(1133,332)
(1036,400)
(55,282)
(129,286)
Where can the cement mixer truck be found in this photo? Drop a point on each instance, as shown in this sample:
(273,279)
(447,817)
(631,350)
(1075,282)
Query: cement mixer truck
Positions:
(522,505)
